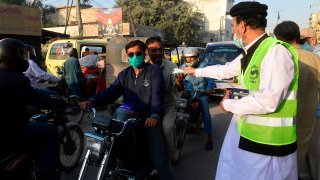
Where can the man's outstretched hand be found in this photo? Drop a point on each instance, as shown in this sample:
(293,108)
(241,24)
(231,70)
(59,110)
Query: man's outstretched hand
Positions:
(85,105)
(151,122)
(189,70)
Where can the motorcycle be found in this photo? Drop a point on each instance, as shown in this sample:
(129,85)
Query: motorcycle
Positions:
(21,164)
(188,119)
(117,148)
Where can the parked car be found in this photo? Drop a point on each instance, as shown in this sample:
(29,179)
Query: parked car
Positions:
(221,53)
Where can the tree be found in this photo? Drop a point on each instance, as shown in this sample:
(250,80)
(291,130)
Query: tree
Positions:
(176,17)
(14,2)
(45,10)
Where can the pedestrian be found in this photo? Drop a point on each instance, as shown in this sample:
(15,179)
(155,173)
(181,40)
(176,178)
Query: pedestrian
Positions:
(172,84)
(309,76)
(201,84)
(261,139)
(73,74)
(309,40)
(36,74)
(141,86)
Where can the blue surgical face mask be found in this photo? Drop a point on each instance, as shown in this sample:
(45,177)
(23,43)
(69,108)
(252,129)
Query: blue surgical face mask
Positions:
(238,42)
(136,61)
(306,46)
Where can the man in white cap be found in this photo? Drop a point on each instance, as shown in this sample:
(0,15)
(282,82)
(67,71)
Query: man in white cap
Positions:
(309,76)
(309,40)
(261,139)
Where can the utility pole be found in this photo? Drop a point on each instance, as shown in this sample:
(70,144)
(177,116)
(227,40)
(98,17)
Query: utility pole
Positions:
(278,15)
(222,28)
(80,27)
(67,17)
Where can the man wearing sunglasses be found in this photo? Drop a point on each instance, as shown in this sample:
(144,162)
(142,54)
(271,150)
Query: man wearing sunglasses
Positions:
(141,85)
(155,52)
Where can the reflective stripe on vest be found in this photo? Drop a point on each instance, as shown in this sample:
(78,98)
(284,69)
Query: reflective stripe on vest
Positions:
(277,128)
(267,121)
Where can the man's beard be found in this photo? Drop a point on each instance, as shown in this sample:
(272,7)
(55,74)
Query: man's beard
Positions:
(156,60)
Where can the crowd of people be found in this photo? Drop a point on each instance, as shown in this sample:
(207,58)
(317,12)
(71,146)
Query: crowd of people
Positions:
(274,131)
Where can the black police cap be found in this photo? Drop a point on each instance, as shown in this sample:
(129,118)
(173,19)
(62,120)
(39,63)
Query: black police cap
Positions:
(249,7)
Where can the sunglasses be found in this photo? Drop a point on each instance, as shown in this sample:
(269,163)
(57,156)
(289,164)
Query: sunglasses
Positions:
(139,53)
(154,50)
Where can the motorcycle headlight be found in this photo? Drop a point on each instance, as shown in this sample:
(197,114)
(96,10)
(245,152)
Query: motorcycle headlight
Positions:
(94,142)
(181,103)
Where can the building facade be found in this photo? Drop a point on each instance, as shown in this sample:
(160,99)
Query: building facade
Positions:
(216,23)
(96,24)
(314,22)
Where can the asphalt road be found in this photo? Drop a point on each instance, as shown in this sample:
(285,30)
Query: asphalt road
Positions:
(196,163)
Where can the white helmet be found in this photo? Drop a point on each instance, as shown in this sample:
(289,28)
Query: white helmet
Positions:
(191,51)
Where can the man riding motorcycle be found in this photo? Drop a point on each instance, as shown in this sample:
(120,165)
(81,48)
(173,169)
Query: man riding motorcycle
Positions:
(201,84)
(16,93)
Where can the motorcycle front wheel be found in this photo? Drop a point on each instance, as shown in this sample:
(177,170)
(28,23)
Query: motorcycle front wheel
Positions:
(70,152)
(179,137)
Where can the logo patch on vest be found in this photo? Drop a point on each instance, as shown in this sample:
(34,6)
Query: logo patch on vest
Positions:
(146,82)
(254,74)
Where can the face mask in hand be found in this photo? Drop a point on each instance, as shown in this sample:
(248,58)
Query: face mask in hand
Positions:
(238,42)
(306,46)
(136,61)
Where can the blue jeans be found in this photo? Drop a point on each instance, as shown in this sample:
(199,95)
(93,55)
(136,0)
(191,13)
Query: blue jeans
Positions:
(318,111)
(157,153)
(43,139)
(206,116)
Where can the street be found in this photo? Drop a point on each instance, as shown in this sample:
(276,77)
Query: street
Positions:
(196,163)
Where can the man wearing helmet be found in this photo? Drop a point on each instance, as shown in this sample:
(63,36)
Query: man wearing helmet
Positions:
(201,84)
(16,93)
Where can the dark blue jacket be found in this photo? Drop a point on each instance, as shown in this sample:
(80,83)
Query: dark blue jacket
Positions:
(193,83)
(16,94)
(145,92)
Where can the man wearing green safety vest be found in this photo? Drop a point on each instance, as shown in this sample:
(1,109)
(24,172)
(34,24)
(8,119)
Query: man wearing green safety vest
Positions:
(261,140)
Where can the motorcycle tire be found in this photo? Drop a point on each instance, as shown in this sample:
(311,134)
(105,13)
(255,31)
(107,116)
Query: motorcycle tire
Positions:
(179,137)
(75,115)
(68,160)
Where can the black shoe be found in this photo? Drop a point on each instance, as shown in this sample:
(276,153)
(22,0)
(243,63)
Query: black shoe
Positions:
(209,146)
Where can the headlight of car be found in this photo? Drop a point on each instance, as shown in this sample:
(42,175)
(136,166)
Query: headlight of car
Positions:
(181,103)
(94,142)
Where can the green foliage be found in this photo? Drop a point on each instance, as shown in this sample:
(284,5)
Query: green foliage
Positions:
(45,10)
(85,1)
(14,2)
(176,17)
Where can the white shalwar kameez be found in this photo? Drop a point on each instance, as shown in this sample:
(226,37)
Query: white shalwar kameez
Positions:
(276,74)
